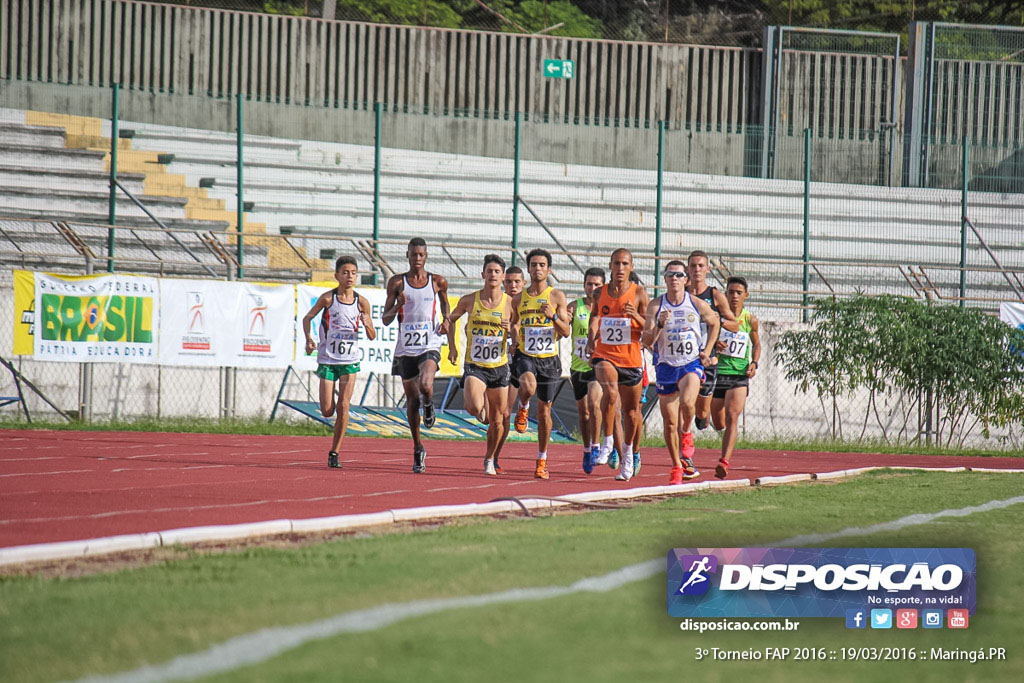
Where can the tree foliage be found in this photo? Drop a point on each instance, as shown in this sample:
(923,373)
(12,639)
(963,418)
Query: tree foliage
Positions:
(902,352)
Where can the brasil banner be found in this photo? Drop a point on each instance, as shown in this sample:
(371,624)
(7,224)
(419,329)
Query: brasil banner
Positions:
(96,318)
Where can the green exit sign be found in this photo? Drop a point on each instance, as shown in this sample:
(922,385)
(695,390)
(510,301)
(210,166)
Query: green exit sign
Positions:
(558,68)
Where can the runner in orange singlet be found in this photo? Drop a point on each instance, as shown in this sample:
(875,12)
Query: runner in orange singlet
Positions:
(616,321)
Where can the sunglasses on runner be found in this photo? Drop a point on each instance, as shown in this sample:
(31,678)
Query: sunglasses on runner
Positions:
(674,273)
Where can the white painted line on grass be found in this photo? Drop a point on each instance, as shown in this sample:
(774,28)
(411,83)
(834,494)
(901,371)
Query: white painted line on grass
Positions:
(265,644)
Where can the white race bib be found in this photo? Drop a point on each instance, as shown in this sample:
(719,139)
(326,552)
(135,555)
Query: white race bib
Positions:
(615,331)
(539,341)
(485,349)
(342,346)
(580,348)
(416,336)
(681,345)
(736,344)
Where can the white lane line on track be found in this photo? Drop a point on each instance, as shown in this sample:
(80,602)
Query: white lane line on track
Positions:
(43,474)
(459,488)
(50,457)
(262,645)
(188,508)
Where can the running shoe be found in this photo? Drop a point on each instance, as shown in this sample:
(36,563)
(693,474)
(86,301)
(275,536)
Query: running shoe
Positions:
(700,422)
(428,415)
(332,460)
(489,467)
(689,471)
(601,456)
(722,469)
(542,470)
(626,471)
(686,441)
(613,459)
(419,460)
(522,419)
(588,463)
(497,467)
(676,476)
(636,463)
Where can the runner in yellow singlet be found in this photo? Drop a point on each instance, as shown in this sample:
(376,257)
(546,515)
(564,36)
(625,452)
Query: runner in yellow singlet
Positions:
(486,371)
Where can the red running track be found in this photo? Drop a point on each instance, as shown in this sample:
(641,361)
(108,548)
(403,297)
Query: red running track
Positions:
(60,486)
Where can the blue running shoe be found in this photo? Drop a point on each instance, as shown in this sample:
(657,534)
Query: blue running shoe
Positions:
(636,463)
(613,459)
(588,463)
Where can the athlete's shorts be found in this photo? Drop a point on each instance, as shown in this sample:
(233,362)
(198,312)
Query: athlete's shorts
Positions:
(547,371)
(727,382)
(628,377)
(332,373)
(493,378)
(580,383)
(667,376)
(408,367)
(707,387)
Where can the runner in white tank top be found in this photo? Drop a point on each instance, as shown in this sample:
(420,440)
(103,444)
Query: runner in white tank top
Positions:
(419,301)
(345,316)
(673,328)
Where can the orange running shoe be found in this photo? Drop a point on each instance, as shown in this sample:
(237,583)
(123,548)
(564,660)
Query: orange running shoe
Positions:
(542,470)
(675,476)
(497,467)
(522,419)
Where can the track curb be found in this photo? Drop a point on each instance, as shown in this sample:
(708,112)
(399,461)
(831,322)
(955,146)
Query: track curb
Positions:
(66,550)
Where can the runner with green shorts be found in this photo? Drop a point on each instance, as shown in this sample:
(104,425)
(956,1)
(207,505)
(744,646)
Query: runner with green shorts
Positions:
(338,353)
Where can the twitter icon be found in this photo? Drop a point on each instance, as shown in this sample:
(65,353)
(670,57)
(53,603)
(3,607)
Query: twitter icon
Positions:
(881,618)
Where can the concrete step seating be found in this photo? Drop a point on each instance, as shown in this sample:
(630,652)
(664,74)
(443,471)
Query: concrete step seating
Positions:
(308,186)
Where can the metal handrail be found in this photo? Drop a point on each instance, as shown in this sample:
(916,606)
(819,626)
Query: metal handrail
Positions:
(996,261)
(162,226)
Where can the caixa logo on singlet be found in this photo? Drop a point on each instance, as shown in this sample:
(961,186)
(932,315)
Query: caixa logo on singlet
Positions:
(816,582)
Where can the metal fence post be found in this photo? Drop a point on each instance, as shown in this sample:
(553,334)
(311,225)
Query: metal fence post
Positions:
(964,177)
(378,114)
(807,221)
(657,215)
(112,208)
(517,150)
(240,209)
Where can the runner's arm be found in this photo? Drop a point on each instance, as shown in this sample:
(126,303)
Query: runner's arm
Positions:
(651,330)
(595,320)
(460,310)
(727,317)
(394,301)
(755,339)
(561,322)
(321,303)
(364,310)
(441,289)
(713,322)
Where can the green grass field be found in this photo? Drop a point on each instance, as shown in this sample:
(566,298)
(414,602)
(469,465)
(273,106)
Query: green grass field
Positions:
(62,628)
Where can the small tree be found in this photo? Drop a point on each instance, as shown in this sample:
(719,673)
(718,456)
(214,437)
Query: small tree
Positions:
(896,348)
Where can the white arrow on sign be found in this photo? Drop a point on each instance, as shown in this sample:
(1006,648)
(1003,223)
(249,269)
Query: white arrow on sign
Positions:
(552,68)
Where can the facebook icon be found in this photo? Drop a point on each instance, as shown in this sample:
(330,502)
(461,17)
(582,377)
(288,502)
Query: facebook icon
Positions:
(856,618)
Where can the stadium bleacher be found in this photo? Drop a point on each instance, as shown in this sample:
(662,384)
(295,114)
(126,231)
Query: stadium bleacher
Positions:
(751,226)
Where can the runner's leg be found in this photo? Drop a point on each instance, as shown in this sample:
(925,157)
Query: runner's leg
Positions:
(346,383)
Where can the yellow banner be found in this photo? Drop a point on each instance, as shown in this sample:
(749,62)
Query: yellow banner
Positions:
(24,312)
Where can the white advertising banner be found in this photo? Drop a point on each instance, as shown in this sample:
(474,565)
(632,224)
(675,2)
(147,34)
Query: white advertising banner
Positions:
(1012,314)
(192,322)
(96,318)
(375,356)
(261,329)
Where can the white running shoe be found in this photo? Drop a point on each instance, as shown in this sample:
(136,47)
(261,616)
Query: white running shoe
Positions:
(489,467)
(602,456)
(625,468)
